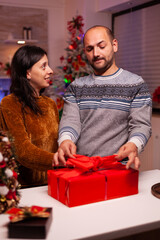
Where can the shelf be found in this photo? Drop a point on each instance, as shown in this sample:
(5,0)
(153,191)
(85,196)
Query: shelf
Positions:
(21,41)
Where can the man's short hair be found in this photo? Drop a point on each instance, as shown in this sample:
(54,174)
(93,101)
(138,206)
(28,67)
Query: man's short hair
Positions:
(108,30)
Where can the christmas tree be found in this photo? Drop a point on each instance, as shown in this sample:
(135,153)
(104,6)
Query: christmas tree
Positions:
(9,196)
(73,65)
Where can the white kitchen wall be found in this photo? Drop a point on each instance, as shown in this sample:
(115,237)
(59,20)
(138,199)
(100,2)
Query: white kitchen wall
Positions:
(56,20)
(59,12)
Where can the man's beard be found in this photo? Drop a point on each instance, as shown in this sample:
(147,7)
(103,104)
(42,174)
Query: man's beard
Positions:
(101,70)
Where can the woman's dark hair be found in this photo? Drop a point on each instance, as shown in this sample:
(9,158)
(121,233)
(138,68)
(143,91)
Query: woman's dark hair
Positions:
(24,58)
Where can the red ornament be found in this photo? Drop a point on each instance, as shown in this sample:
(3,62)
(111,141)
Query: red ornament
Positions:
(80,61)
(156,95)
(79,57)
(75,24)
(75,65)
(15,175)
(69,60)
(2,164)
(69,77)
(74,45)
(65,68)
(60,103)
(11,195)
(61,59)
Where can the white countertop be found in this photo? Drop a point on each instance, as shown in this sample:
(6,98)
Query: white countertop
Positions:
(103,220)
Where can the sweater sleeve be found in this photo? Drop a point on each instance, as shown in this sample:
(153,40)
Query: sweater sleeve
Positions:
(140,117)
(70,125)
(28,154)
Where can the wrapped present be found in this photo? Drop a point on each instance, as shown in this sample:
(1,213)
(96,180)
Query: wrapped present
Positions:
(29,222)
(91,179)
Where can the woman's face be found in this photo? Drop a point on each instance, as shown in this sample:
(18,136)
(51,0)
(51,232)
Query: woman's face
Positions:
(39,75)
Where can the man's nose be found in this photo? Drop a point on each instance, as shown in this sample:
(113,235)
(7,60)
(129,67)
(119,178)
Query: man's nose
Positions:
(96,52)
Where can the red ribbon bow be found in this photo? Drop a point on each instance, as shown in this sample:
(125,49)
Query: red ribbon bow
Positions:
(93,163)
(18,214)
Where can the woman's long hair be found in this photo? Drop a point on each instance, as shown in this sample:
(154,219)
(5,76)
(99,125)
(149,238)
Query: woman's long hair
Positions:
(24,58)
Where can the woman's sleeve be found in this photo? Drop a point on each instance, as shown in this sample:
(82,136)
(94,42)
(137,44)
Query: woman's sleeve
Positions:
(27,153)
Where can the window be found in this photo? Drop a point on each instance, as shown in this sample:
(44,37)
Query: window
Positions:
(138,34)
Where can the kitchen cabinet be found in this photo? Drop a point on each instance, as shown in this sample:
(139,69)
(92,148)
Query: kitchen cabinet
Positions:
(150,157)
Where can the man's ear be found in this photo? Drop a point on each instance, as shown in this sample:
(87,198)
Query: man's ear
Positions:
(28,74)
(115,45)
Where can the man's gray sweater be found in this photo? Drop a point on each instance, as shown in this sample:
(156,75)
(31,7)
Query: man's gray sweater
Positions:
(101,113)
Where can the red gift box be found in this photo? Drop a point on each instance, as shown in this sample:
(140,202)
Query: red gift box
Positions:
(92,179)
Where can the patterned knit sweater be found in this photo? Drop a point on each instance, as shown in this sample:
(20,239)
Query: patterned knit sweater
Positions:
(35,137)
(101,113)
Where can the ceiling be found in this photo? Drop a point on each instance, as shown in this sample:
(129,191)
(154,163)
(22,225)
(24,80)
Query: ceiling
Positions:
(128,5)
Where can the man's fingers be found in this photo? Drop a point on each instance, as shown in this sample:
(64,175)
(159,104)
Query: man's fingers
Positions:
(134,160)
(121,153)
(137,163)
(72,150)
(129,163)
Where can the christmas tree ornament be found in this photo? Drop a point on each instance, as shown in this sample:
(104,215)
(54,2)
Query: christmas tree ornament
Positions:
(9,185)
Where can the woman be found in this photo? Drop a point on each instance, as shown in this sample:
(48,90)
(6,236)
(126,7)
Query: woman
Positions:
(31,118)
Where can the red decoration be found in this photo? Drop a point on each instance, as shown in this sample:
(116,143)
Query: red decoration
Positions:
(76,23)
(73,65)
(91,179)
(6,67)
(69,60)
(60,103)
(81,62)
(18,214)
(74,45)
(156,95)
(62,59)
(65,68)
(1,65)
(69,77)
(2,164)
(11,195)
(76,66)
(9,185)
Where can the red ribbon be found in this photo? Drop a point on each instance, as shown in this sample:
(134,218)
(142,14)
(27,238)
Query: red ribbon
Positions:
(18,214)
(82,164)
(85,163)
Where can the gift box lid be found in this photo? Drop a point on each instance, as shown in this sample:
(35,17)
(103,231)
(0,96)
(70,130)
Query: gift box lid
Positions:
(33,228)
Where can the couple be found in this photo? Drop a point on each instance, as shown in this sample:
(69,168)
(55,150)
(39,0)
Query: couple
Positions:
(104,113)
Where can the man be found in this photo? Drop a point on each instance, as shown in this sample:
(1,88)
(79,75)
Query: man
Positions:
(108,112)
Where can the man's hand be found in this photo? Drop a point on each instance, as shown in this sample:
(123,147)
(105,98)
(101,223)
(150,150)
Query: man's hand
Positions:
(66,149)
(129,150)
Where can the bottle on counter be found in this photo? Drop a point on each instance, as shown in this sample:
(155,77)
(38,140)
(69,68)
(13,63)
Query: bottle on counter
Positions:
(24,33)
(29,33)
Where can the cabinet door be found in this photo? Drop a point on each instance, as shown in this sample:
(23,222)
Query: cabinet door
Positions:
(156,141)
(146,157)
(150,157)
